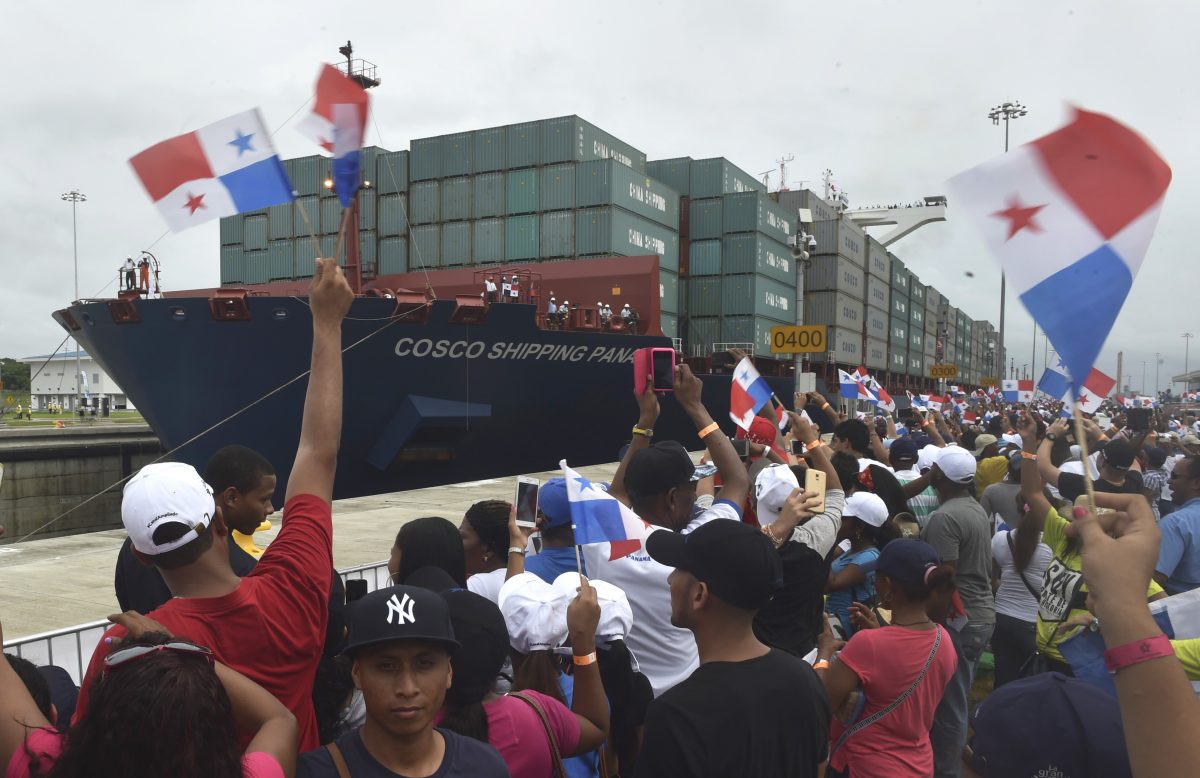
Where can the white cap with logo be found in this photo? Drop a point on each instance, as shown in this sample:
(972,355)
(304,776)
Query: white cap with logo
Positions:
(162,494)
(616,615)
(957,464)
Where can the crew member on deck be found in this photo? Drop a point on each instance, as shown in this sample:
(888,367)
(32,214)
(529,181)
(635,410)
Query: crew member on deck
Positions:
(514,290)
(489,290)
(128,270)
(505,289)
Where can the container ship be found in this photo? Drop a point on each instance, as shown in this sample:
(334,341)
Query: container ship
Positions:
(444,386)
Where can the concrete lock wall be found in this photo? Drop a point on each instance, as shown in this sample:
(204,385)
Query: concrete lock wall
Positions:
(49,471)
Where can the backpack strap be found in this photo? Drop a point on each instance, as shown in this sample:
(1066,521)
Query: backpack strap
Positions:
(339,761)
(1020,573)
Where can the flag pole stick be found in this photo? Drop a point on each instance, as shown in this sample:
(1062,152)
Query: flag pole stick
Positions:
(337,249)
(579,565)
(1081,439)
(312,234)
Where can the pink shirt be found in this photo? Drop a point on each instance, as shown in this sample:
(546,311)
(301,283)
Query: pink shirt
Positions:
(887,661)
(47,745)
(515,730)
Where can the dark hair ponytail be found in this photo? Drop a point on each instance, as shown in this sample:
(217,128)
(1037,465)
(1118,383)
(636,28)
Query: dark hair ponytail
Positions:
(938,580)
(629,693)
(538,671)
(464,714)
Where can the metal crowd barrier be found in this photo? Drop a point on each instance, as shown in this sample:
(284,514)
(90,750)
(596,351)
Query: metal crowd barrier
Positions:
(71,648)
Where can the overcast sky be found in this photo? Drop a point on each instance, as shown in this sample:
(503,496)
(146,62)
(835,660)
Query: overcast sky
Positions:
(892,96)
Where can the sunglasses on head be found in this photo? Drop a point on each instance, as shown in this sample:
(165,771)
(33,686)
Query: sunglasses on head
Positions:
(124,656)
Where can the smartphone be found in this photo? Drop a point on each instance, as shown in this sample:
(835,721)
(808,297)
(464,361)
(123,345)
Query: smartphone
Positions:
(814,481)
(526,501)
(741,446)
(1139,419)
(356,589)
(798,448)
(658,363)
(905,414)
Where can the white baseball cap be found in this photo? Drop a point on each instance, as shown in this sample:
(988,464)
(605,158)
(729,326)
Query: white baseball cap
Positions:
(927,456)
(535,613)
(616,616)
(867,507)
(957,464)
(161,495)
(772,487)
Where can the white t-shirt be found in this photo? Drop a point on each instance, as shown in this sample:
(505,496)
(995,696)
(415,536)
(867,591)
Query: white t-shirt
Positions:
(664,653)
(488,584)
(1012,598)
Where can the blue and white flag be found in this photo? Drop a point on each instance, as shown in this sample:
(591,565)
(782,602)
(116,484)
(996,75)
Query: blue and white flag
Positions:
(1069,218)
(1054,384)
(748,392)
(598,517)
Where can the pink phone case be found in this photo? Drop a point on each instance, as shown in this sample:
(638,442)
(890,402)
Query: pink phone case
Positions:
(643,367)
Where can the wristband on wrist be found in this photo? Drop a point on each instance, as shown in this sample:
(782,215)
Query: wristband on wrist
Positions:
(583,661)
(1137,652)
(821,664)
(826,405)
(816,444)
(516,550)
(1029,456)
(645,432)
(710,429)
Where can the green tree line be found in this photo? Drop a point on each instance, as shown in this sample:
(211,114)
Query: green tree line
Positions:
(14,374)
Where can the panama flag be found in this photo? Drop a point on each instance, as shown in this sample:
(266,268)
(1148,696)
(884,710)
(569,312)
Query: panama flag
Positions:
(226,168)
(598,517)
(1054,384)
(916,400)
(1069,217)
(882,398)
(1017,391)
(338,123)
(934,403)
(1141,401)
(748,392)
(1095,391)
(852,388)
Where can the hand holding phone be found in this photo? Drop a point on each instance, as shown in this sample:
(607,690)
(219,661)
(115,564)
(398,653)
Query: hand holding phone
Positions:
(814,481)
(526,501)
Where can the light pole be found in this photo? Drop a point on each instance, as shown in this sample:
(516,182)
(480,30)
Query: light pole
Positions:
(1007,111)
(74,197)
(1187,341)
(1142,388)
(1157,362)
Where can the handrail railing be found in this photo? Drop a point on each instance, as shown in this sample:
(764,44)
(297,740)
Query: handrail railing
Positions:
(71,648)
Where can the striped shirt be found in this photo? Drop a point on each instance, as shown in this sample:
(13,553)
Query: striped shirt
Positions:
(923,504)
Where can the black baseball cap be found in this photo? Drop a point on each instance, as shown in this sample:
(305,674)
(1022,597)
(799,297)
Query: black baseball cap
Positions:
(658,469)
(904,450)
(737,561)
(1119,454)
(400,613)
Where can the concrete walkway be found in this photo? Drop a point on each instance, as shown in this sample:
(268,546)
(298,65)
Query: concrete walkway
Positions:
(59,582)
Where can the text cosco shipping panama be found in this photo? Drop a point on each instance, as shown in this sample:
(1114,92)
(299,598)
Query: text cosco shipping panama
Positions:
(464,349)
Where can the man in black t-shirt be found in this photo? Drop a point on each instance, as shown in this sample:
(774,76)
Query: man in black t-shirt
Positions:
(748,709)
(1113,464)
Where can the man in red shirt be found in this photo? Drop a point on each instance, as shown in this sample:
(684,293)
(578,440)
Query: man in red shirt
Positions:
(270,625)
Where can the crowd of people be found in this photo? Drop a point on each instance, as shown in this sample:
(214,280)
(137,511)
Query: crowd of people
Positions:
(787,614)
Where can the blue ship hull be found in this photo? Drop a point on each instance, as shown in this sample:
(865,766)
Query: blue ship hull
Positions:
(426,403)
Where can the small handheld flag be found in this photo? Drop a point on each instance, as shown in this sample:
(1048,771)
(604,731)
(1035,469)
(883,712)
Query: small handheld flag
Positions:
(748,393)
(598,517)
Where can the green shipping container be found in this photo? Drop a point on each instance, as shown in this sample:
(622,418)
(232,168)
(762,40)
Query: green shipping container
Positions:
(456,244)
(607,182)
(750,329)
(755,253)
(425,159)
(558,187)
(233,263)
(522,144)
(675,173)
(704,258)
(456,199)
(571,139)
(423,202)
(669,323)
(755,295)
(755,212)
(521,192)
(613,231)
(456,154)
(329,249)
(668,292)
(367,212)
(393,214)
(704,219)
(898,336)
(306,207)
(489,147)
(281,260)
(703,331)
(393,256)
(488,199)
(368,251)
(898,362)
(521,236)
(718,176)
(489,241)
(231,230)
(256,267)
(558,235)
(704,298)
(331,216)
(424,250)
(279,217)
(256,233)
(306,174)
(391,172)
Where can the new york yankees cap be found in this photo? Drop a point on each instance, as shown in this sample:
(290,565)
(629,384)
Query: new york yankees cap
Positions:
(400,613)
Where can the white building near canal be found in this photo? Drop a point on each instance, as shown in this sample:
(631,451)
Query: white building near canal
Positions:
(53,380)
